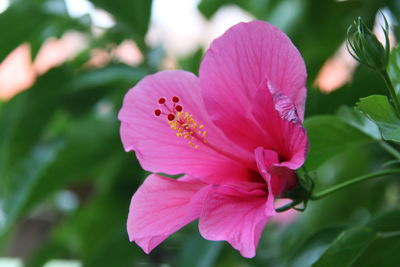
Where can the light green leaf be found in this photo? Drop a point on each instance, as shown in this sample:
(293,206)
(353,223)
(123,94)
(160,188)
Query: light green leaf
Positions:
(394,69)
(378,109)
(346,248)
(329,135)
(198,252)
(356,119)
(314,246)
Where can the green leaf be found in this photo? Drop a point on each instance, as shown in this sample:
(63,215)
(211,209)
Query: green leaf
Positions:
(24,179)
(386,222)
(80,163)
(329,135)
(44,172)
(356,119)
(24,118)
(87,88)
(394,69)
(346,248)
(209,7)
(192,62)
(22,29)
(34,23)
(105,242)
(313,246)
(382,252)
(378,109)
(198,252)
(134,16)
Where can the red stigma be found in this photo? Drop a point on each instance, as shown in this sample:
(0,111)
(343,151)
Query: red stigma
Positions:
(161,100)
(171,117)
(157,112)
(169,108)
(178,108)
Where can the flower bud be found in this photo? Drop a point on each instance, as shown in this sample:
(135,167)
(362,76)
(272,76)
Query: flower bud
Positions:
(365,47)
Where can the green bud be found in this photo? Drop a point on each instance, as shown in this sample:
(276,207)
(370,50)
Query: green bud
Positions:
(365,47)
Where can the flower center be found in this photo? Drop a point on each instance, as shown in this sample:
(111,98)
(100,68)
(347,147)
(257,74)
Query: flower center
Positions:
(182,122)
(187,127)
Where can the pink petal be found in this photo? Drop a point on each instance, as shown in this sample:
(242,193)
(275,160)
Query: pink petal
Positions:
(160,207)
(283,179)
(283,132)
(157,146)
(237,214)
(236,65)
(278,178)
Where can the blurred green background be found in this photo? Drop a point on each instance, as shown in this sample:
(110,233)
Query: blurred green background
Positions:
(66,182)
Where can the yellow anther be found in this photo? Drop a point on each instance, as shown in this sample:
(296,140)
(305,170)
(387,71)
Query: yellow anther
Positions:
(188,128)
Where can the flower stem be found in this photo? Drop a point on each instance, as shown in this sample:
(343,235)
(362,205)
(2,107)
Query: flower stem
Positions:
(358,179)
(392,92)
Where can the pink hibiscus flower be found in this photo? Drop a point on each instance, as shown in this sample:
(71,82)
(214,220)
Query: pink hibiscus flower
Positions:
(235,132)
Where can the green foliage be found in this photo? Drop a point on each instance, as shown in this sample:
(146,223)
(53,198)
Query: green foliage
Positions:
(366,246)
(394,68)
(62,136)
(133,16)
(12,37)
(44,22)
(346,248)
(356,119)
(329,135)
(198,252)
(378,109)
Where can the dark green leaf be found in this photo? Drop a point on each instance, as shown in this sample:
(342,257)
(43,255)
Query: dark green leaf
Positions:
(44,172)
(20,31)
(328,136)
(382,252)
(387,222)
(96,232)
(24,118)
(34,23)
(87,88)
(378,109)
(209,7)
(24,180)
(80,163)
(110,75)
(133,15)
(346,248)
(192,63)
